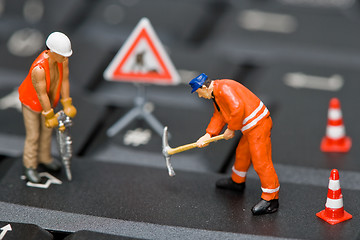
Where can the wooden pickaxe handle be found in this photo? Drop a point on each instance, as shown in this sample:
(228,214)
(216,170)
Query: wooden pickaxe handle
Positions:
(186,147)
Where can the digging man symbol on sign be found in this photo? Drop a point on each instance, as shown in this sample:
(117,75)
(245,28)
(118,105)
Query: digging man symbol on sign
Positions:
(140,65)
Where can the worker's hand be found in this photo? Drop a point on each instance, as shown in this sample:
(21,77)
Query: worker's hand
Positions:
(69,109)
(200,143)
(228,134)
(50,119)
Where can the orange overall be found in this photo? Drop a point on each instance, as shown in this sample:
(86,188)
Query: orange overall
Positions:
(241,110)
(37,148)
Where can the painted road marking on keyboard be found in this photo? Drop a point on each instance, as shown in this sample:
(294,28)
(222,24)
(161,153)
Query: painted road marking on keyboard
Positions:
(254,20)
(25,42)
(301,80)
(11,101)
(137,137)
(51,180)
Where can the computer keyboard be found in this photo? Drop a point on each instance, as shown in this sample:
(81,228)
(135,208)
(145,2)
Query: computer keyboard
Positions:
(272,31)
(120,187)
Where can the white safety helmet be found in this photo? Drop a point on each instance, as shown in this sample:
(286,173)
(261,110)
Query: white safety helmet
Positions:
(59,43)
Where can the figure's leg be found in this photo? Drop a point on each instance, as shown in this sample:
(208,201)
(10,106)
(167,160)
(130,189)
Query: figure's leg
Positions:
(260,148)
(45,157)
(31,146)
(45,143)
(242,161)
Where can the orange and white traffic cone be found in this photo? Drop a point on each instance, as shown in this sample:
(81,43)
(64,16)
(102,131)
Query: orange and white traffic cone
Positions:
(335,139)
(334,208)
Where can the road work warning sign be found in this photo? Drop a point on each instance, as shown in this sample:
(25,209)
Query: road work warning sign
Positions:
(142,58)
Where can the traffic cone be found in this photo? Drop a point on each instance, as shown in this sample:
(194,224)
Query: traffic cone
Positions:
(335,139)
(334,209)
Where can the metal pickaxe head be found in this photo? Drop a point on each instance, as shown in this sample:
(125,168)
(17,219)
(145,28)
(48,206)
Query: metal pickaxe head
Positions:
(168,151)
(165,148)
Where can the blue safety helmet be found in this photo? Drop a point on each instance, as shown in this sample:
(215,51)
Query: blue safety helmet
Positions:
(197,82)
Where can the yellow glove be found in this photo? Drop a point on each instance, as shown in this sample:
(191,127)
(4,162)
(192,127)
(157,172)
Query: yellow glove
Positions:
(69,109)
(50,119)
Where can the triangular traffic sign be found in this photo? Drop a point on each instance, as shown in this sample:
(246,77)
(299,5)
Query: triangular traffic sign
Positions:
(142,58)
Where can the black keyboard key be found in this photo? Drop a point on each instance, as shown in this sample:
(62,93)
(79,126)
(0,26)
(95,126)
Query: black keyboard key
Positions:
(22,231)
(89,235)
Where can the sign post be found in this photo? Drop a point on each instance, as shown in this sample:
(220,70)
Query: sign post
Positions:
(142,60)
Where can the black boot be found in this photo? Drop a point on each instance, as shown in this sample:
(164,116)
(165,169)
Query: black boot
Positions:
(264,207)
(54,166)
(228,183)
(32,175)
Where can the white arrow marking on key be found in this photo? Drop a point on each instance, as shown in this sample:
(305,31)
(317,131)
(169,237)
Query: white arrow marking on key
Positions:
(301,80)
(5,230)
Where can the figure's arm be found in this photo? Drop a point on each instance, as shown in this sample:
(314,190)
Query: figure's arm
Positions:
(228,134)
(39,82)
(236,108)
(66,100)
(216,124)
(200,142)
(65,86)
(214,128)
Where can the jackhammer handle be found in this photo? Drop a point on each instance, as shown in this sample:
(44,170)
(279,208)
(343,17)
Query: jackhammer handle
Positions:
(61,127)
(186,147)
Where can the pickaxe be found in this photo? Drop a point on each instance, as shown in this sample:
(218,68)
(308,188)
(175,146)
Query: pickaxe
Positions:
(168,151)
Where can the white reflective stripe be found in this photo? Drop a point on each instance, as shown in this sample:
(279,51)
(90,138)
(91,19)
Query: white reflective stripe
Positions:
(335,132)
(253,114)
(334,185)
(255,121)
(334,114)
(334,203)
(270,190)
(240,174)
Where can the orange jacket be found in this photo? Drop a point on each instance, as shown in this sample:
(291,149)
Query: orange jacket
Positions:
(27,92)
(239,107)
